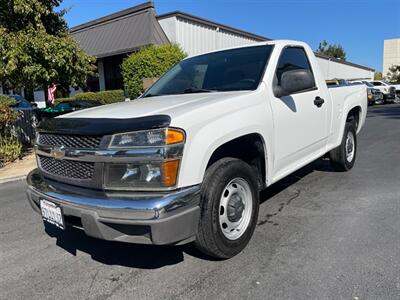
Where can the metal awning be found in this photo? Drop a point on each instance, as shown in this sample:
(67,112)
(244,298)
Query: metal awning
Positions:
(122,32)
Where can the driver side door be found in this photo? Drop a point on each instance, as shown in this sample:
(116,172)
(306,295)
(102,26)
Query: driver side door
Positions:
(300,126)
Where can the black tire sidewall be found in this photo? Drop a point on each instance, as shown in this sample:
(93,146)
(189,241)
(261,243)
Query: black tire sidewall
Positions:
(233,169)
(349,127)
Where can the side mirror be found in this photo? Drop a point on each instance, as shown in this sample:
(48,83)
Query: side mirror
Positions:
(294,81)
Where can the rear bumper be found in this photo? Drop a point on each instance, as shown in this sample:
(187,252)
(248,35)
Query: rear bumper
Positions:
(146,218)
(390,96)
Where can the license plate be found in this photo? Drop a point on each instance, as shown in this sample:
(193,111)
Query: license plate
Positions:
(51,213)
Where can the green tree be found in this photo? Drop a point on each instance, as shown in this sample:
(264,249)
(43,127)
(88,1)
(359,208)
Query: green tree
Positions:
(378,76)
(393,75)
(331,50)
(149,62)
(35,47)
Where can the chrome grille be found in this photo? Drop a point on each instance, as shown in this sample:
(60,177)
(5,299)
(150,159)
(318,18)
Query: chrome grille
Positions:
(70,141)
(67,168)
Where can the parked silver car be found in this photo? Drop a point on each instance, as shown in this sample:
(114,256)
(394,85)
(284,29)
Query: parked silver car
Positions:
(375,96)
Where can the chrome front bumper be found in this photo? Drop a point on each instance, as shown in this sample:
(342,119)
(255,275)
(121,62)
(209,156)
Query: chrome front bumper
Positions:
(141,217)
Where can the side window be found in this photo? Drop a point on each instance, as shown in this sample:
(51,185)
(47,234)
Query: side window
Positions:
(292,58)
(376,83)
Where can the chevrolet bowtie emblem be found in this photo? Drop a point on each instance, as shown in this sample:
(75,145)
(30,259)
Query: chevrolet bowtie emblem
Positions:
(57,152)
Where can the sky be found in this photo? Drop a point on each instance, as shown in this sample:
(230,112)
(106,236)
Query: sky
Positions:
(360,26)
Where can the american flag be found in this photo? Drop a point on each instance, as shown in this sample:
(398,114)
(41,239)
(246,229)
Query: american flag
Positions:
(51,91)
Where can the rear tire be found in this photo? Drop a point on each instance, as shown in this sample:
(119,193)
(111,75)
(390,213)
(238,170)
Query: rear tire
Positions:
(344,156)
(229,208)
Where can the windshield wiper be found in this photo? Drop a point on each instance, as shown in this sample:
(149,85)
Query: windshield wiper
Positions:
(187,91)
(149,95)
(195,90)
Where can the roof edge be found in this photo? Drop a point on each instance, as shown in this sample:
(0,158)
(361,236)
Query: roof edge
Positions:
(197,19)
(120,51)
(345,62)
(119,14)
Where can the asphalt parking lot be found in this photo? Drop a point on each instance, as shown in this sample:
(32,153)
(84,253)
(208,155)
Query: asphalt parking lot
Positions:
(320,235)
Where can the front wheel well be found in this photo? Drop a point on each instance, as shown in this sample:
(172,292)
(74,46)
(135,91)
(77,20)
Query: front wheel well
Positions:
(248,148)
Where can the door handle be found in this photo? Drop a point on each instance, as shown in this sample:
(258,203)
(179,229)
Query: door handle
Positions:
(318,101)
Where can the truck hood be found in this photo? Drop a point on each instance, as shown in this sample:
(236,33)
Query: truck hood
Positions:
(172,105)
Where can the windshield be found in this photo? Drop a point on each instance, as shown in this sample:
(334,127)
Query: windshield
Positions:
(229,70)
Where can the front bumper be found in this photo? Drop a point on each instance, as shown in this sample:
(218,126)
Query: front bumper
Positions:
(141,217)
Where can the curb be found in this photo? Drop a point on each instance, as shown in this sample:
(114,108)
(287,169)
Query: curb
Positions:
(10,179)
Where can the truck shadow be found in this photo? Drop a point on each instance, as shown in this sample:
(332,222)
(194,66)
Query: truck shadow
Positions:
(321,164)
(73,239)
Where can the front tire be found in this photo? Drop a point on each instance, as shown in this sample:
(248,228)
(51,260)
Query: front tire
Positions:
(229,208)
(344,156)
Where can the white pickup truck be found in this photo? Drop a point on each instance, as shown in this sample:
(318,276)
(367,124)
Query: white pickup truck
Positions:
(186,161)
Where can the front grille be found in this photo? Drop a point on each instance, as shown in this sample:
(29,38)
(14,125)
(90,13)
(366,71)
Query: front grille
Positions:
(67,168)
(392,90)
(70,141)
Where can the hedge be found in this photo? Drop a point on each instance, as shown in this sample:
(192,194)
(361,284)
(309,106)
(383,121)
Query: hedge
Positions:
(7,115)
(10,147)
(105,97)
(150,62)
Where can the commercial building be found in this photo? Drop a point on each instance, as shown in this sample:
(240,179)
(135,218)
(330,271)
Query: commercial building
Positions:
(111,38)
(197,35)
(391,54)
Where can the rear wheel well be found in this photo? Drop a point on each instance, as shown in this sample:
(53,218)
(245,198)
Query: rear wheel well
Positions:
(248,148)
(354,116)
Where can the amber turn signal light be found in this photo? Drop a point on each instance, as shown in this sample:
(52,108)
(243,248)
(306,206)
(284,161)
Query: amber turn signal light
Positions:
(170,172)
(174,136)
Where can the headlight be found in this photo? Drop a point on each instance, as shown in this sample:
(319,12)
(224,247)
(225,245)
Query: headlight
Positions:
(141,175)
(148,138)
(160,173)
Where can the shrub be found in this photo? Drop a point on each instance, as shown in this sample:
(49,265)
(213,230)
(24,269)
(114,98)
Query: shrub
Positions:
(150,62)
(7,115)
(104,97)
(60,100)
(10,147)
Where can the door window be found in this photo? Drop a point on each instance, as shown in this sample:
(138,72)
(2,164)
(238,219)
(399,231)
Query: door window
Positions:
(292,58)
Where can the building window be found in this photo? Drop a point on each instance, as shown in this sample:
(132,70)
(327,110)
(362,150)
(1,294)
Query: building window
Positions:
(112,72)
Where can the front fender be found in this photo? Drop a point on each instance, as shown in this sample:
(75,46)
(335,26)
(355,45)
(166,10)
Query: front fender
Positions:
(204,138)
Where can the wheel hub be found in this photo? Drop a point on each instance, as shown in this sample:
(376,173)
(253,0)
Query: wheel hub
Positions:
(350,149)
(235,208)
(350,146)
